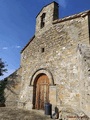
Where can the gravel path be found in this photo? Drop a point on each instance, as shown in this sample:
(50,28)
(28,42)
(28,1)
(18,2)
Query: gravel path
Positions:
(20,114)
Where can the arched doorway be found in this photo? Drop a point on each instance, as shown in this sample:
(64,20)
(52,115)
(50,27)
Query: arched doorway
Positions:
(41,91)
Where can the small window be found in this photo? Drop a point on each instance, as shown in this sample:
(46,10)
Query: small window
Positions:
(42,50)
(43,20)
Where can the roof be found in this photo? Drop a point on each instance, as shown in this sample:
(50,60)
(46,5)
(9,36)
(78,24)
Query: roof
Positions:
(28,43)
(82,14)
(45,6)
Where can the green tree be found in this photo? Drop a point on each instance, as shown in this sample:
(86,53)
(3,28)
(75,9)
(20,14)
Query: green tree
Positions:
(2,82)
(2,67)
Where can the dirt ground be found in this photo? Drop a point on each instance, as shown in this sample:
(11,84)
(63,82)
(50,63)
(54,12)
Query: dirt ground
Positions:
(20,114)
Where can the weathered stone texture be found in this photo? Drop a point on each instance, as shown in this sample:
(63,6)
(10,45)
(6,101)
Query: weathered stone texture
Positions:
(85,78)
(60,57)
(13,88)
(51,15)
(64,59)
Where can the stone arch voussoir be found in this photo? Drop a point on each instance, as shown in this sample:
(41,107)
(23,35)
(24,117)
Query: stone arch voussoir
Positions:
(42,71)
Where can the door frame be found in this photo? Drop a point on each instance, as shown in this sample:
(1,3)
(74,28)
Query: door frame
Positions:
(41,91)
(34,78)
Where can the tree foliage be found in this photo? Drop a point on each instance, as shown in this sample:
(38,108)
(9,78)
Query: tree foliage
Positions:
(2,67)
(3,84)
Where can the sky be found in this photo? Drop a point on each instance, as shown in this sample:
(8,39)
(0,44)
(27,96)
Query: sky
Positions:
(17,25)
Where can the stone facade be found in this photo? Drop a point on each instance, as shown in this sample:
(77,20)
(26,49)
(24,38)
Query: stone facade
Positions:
(61,51)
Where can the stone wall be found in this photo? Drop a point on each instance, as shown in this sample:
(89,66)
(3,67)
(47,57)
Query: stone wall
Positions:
(12,89)
(61,58)
(51,12)
(85,78)
(60,51)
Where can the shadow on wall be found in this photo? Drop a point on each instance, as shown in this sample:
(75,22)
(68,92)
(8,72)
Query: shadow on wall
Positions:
(56,114)
(8,83)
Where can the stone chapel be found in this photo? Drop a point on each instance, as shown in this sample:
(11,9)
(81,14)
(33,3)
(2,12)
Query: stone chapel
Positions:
(55,65)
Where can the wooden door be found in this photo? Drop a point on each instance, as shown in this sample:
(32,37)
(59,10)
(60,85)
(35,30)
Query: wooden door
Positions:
(42,91)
